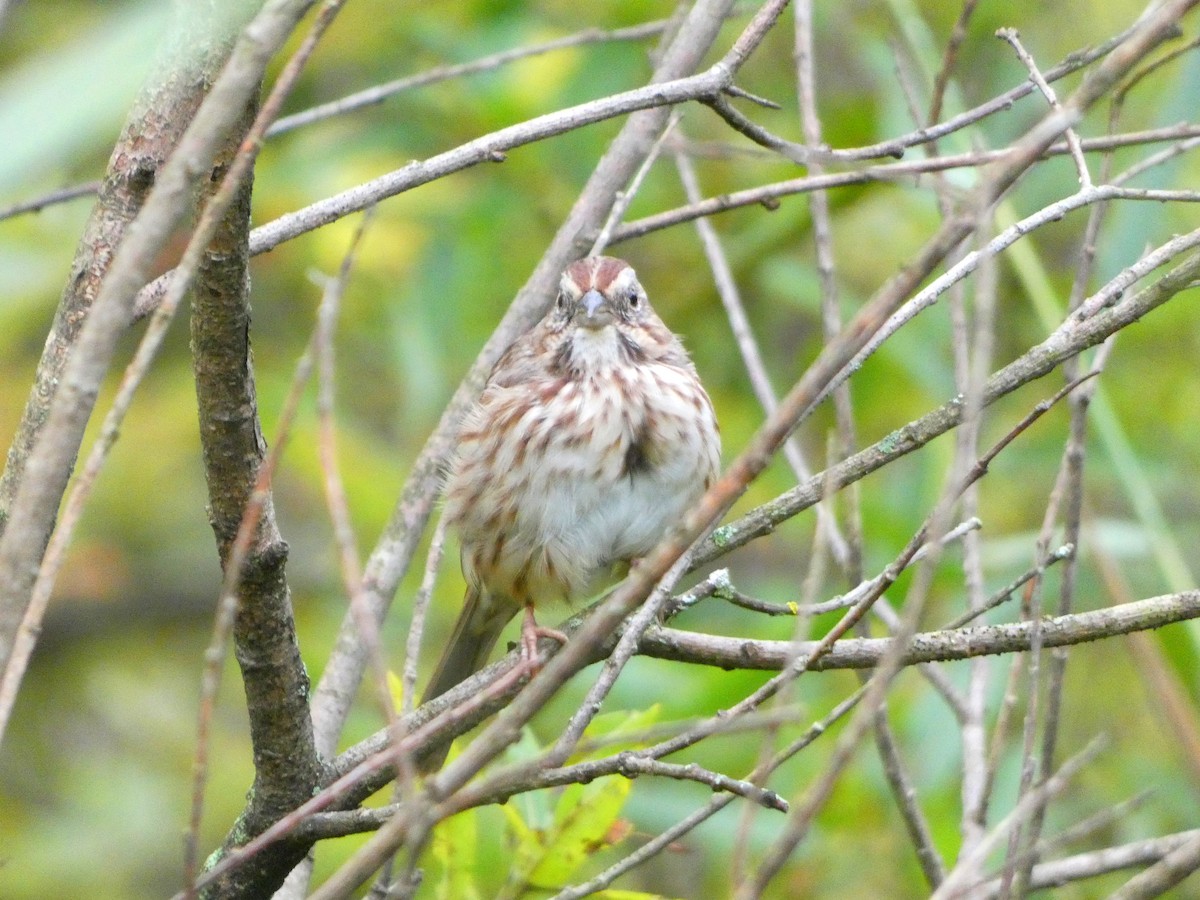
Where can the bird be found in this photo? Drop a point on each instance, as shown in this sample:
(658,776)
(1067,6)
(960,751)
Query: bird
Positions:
(592,436)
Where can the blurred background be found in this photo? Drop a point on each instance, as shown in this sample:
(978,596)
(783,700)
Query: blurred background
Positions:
(95,771)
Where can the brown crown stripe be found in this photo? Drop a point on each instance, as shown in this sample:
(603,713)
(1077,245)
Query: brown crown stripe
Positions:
(596,272)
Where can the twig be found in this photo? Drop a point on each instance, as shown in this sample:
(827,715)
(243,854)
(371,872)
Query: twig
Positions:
(955,882)
(743,335)
(1072,505)
(1073,62)
(949,57)
(1105,818)
(768,195)
(734,91)
(412,647)
(666,838)
(625,197)
(641,620)
(483,149)
(1004,594)
(735,597)
(972,360)
(1165,691)
(1010,36)
(716,584)
(1150,68)
(507,781)
(934,646)
(631,765)
(87,189)
(1056,873)
(742,124)
(335,494)
(379,93)
(1169,871)
(856,594)
(896,147)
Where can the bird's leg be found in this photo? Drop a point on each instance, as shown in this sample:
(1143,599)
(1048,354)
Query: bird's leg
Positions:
(531,631)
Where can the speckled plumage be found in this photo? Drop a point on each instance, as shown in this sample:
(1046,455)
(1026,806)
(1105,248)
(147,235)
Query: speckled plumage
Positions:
(591,438)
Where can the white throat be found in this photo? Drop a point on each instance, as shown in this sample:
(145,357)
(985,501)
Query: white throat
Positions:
(596,349)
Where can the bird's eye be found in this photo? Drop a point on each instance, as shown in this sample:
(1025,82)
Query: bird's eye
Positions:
(561,302)
(634,299)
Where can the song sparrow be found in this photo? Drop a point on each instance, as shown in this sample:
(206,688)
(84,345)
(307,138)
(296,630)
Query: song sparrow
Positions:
(592,436)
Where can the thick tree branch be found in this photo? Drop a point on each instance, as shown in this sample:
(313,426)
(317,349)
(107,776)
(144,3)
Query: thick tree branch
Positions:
(173,92)
(285,761)
(40,491)
(194,52)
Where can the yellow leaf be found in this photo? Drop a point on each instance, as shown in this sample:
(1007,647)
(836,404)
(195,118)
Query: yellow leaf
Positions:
(396,689)
(454,847)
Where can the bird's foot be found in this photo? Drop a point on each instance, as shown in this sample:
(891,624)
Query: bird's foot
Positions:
(531,633)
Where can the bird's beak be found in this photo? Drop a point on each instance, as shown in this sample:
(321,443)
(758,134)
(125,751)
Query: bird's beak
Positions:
(596,311)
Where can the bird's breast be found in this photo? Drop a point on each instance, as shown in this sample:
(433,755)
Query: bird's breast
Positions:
(570,475)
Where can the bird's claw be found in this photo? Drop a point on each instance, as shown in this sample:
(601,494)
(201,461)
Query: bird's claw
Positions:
(531,633)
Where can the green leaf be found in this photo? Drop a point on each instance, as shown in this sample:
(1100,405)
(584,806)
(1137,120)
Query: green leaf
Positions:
(585,815)
(454,847)
(549,845)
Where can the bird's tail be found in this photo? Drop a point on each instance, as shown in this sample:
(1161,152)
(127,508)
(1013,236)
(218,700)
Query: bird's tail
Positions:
(475,634)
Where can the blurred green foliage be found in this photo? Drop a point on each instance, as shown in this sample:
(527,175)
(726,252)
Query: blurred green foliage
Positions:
(94,775)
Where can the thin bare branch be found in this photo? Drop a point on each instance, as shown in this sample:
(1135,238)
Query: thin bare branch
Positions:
(1076,334)
(768,195)
(1010,36)
(666,838)
(1056,873)
(62,195)
(937,646)
(625,197)
(1169,871)
(941,81)
(379,93)
(958,878)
